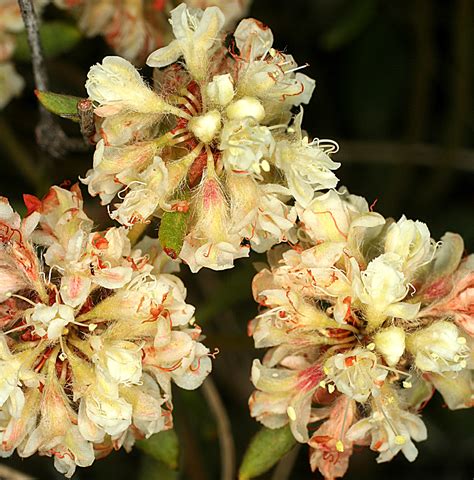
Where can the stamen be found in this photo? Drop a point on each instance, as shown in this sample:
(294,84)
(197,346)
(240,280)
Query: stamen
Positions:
(16,329)
(21,297)
(300,67)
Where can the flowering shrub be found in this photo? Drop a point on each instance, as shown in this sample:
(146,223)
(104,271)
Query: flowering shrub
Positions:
(216,140)
(93,333)
(362,317)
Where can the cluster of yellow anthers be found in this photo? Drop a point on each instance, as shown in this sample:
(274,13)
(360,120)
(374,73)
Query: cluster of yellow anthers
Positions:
(93,333)
(365,317)
(134,28)
(11,23)
(215,137)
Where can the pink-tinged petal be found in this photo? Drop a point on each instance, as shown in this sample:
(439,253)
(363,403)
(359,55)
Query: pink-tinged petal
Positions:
(456,388)
(330,447)
(114,277)
(195,374)
(75,289)
(165,357)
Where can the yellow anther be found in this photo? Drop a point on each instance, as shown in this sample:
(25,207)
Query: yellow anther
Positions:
(339,446)
(291,413)
(400,440)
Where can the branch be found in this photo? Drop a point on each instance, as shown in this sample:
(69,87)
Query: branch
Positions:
(49,134)
(226,440)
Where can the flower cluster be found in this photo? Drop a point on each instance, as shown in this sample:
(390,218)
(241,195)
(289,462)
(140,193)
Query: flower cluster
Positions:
(134,28)
(215,138)
(364,318)
(93,332)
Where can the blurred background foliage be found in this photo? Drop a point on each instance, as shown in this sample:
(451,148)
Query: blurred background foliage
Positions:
(394,86)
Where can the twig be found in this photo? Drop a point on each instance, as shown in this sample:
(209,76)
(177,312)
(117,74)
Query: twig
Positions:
(49,134)
(285,465)
(226,440)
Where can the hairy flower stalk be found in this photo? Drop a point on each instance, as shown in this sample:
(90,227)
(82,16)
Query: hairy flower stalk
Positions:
(134,28)
(363,319)
(93,332)
(216,137)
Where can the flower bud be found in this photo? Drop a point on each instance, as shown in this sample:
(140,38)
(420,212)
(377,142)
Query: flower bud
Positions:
(221,90)
(246,107)
(206,127)
(390,343)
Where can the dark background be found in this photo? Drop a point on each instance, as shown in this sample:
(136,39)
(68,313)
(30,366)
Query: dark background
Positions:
(394,84)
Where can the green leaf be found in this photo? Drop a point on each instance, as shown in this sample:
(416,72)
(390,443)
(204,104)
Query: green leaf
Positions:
(56,38)
(151,469)
(265,450)
(352,23)
(173,228)
(163,446)
(63,105)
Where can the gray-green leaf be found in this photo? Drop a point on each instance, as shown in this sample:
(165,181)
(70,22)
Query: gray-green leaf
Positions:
(163,446)
(63,105)
(173,228)
(265,450)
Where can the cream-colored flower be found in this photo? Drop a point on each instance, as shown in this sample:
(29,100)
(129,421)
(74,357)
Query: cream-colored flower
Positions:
(391,430)
(438,348)
(74,352)
(381,287)
(246,146)
(195,32)
(356,374)
(118,359)
(412,242)
(333,216)
(117,86)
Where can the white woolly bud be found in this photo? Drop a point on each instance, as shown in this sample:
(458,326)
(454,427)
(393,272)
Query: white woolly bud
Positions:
(390,343)
(206,127)
(246,107)
(221,90)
